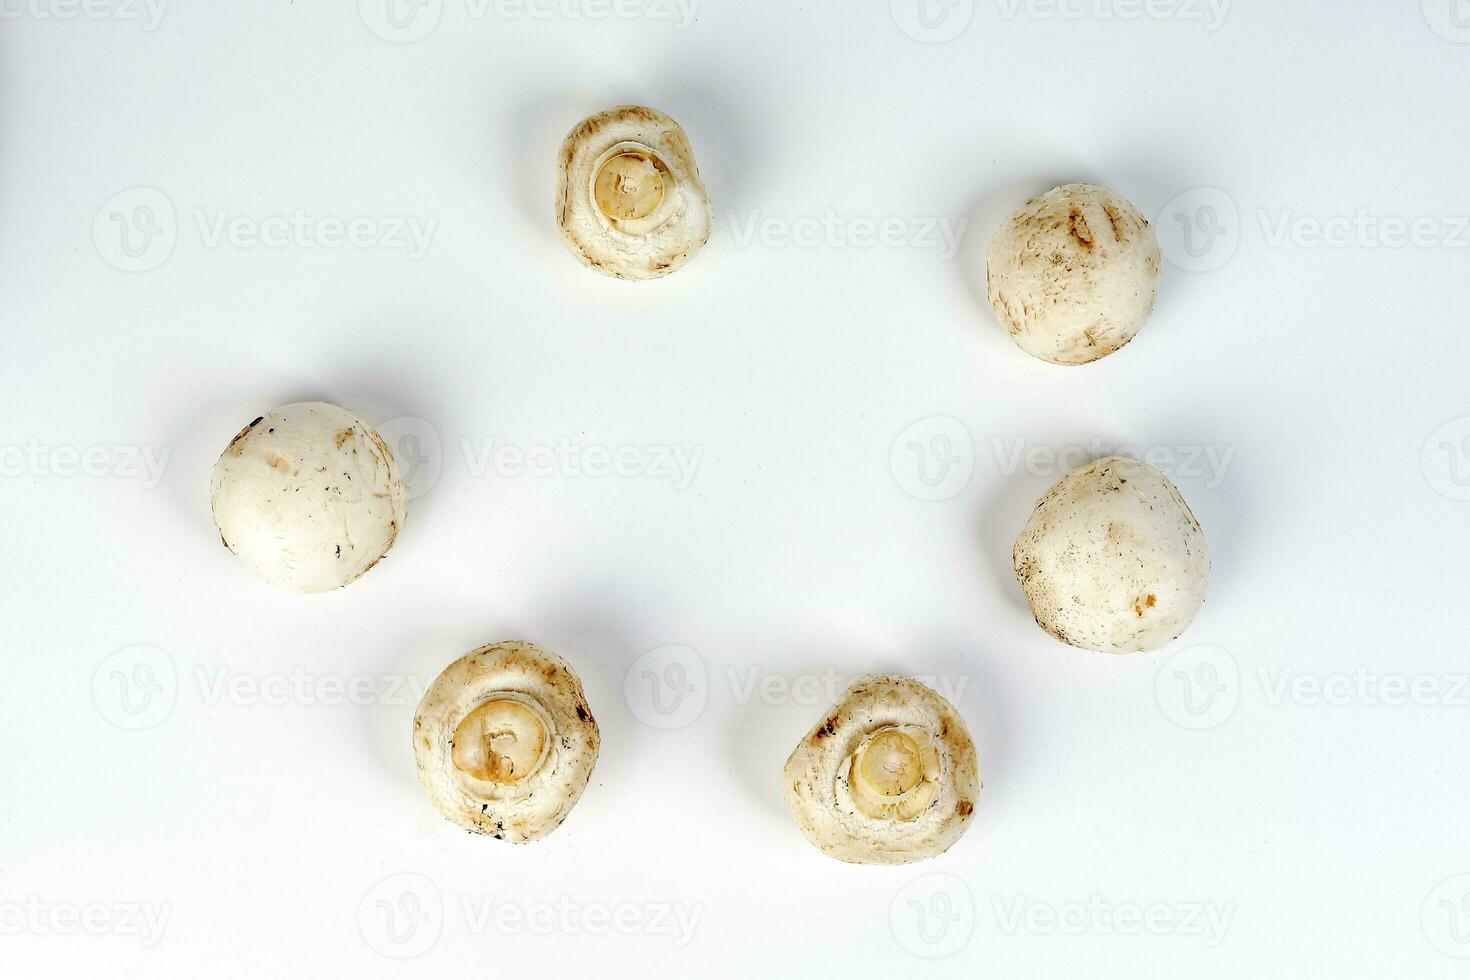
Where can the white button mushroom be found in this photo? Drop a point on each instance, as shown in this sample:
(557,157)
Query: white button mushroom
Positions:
(308,496)
(1073,274)
(888,776)
(1112,560)
(629,200)
(505,742)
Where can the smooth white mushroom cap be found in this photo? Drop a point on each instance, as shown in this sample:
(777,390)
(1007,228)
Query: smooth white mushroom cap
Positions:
(308,496)
(887,776)
(1112,559)
(1073,274)
(629,201)
(505,742)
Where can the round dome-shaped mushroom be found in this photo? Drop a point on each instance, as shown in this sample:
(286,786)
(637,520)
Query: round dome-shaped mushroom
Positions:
(1073,274)
(888,776)
(1112,559)
(505,742)
(629,200)
(308,496)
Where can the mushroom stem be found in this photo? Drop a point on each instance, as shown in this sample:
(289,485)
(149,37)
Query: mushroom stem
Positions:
(894,773)
(629,186)
(502,741)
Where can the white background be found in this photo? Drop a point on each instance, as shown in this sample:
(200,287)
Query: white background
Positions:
(266,825)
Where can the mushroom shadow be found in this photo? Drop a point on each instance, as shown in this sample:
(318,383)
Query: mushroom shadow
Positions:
(1008,504)
(759,736)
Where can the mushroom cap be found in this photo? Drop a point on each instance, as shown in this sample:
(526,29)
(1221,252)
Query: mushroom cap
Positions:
(1112,559)
(518,703)
(654,215)
(309,496)
(1073,274)
(927,741)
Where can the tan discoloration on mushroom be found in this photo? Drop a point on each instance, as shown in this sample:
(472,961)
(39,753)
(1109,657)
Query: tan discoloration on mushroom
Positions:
(629,200)
(505,742)
(1073,274)
(889,776)
(1112,559)
(308,509)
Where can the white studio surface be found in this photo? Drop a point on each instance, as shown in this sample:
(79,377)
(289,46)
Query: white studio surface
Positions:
(722,494)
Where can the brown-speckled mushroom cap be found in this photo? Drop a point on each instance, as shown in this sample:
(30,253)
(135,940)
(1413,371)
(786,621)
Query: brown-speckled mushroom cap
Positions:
(1073,274)
(1112,559)
(309,496)
(887,776)
(505,741)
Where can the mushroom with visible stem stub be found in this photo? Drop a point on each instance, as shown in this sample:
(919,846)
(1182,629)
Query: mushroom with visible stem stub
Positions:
(629,200)
(888,776)
(505,742)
